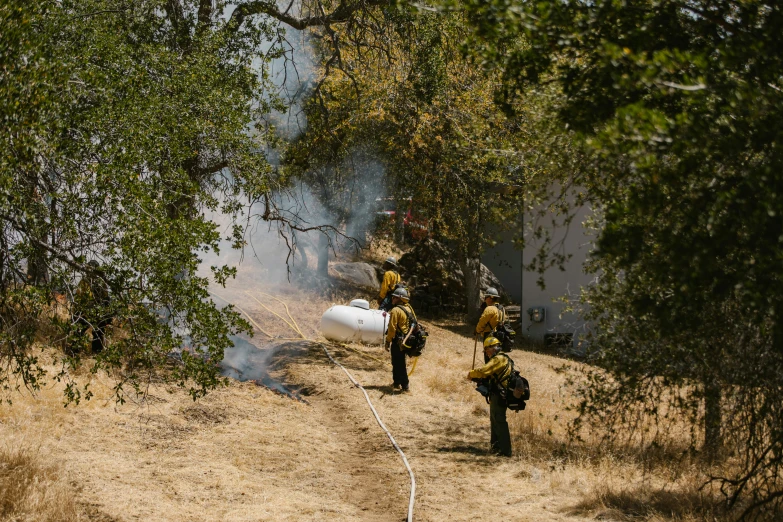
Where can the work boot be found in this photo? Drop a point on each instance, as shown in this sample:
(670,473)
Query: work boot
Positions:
(406,389)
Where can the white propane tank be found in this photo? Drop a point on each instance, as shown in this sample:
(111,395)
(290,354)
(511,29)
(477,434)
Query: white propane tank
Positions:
(354,323)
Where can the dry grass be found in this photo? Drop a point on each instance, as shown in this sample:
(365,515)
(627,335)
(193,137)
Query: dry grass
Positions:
(685,502)
(244,453)
(32,490)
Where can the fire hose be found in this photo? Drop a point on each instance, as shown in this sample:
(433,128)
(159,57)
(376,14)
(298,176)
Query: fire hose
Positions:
(294,326)
(383,427)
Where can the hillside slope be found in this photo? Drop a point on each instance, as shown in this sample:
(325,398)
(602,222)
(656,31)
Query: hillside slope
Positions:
(247,453)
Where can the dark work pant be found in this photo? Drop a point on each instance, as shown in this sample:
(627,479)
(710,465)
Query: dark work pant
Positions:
(399,372)
(98,332)
(500,438)
(386,303)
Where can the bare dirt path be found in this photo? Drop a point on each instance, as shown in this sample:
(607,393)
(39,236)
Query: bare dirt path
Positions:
(446,443)
(377,482)
(442,426)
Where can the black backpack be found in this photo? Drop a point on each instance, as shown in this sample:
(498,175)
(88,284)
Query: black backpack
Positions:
(516,391)
(415,340)
(503,332)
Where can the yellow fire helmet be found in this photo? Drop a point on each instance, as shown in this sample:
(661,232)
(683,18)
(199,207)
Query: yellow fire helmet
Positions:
(491,341)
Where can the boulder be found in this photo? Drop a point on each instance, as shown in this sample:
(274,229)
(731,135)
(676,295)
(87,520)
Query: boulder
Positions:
(357,274)
(436,280)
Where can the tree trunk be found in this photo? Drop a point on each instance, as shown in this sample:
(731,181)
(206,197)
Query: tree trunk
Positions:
(299,242)
(399,223)
(358,221)
(37,269)
(471,268)
(712,418)
(323,255)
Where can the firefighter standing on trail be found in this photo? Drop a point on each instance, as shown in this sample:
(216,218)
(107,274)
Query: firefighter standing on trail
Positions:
(390,278)
(399,325)
(91,305)
(493,314)
(497,373)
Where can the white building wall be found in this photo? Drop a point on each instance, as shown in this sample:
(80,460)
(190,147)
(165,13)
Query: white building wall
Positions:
(508,264)
(557,283)
(505,261)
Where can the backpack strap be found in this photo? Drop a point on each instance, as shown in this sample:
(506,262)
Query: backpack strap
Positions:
(411,318)
(412,322)
(410,315)
(509,365)
(502,319)
(502,313)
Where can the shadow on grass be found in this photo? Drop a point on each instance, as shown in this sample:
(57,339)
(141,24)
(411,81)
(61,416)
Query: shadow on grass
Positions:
(386,389)
(457,327)
(469,449)
(687,503)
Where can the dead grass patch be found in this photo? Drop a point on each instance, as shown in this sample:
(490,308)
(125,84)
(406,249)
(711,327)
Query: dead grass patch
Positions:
(33,491)
(683,502)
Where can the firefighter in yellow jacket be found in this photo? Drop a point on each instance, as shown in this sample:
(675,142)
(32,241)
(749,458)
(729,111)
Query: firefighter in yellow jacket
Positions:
(390,279)
(399,325)
(493,314)
(91,306)
(494,375)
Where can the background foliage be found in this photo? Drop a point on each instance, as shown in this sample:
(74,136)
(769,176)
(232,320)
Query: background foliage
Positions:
(398,85)
(680,103)
(123,123)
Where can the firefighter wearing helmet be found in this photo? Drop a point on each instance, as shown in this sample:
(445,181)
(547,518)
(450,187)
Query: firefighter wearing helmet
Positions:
(399,326)
(495,375)
(391,278)
(493,313)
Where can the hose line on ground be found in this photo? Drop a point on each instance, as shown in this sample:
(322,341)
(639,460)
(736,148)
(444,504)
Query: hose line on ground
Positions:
(383,427)
(246,315)
(294,326)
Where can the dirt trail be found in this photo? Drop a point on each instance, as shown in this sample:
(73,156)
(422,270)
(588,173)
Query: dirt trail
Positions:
(377,482)
(442,426)
(447,448)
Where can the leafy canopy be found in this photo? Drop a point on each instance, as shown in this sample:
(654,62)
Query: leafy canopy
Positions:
(124,122)
(680,104)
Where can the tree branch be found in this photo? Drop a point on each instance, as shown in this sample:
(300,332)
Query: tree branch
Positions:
(176,15)
(342,13)
(65,258)
(204,16)
(211,169)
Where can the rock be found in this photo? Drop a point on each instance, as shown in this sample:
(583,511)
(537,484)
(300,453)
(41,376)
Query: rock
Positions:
(436,279)
(357,274)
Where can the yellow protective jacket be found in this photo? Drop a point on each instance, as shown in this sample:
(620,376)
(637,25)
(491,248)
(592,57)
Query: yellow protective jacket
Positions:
(390,278)
(490,319)
(398,321)
(91,292)
(498,369)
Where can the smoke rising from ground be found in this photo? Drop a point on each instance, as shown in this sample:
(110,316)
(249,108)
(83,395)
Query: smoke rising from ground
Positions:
(342,196)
